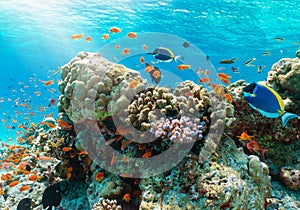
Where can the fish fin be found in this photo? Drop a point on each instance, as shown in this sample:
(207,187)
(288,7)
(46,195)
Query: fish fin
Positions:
(264,113)
(286,117)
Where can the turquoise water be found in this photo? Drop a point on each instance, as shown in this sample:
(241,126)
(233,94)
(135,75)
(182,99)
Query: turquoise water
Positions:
(35,40)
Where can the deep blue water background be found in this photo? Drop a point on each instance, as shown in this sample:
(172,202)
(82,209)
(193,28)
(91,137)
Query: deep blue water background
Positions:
(35,38)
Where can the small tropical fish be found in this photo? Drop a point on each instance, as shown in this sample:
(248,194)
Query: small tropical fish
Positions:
(204,80)
(45,158)
(155,75)
(125,51)
(113,159)
(267,53)
(105,36)
(244,136)
(126,197)
(229,98)
(186,44)
(224,76)
(115,30)
(254,146)
(267,101)
(99,176)
(199,71)
(50,125)
(279,39)
(131,35)
(149,68)
(221,68)
(183,67)
(164,54)
(206,73)
(145,47)
(52,102)
(52,196)
(229,61)
(259,68)
(234,69)
(14,183)
(147,154)
(37,93)
(34,177)
(125,144)
(24,188)
(50,82)
(122,130)
(67,149)
(77,36)
(88,38)
(226,81)
(249,62)
(142,60)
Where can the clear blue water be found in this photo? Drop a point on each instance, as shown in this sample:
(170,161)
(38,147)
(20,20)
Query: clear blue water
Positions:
(35,38)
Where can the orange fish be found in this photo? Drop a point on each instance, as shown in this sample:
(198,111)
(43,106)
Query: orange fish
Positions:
(88,39)
(115,30)
(126,197)
(147,154)
(183,67)
(77,36)
(34,177)
(149,68)
(24,188)
(105,36)
(49,82)
(14,183)
(37,93)
(199,71)
(63,124)
(66,149)
(99,176)
(244,136)
(204,80)
(226,81)
(142,59)
(117,47)
(125,51)
(156,74)
(45,158)
(69,175)
(50,125)
(206,72)
(131,35)
(112,162)
(69,169)
(83,153)
(223,75)
(145,47)
(125,144)
(228,97)
(1,191)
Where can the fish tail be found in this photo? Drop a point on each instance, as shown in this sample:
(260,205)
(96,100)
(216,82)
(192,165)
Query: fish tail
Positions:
(177,57)
(286,117)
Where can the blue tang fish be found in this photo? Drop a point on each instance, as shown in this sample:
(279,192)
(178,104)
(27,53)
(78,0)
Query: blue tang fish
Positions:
(267,101)
(164,54)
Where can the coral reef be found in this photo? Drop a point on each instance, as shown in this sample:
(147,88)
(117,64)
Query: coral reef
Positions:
(106,204)
(290,177)
(213,186)
(284,77)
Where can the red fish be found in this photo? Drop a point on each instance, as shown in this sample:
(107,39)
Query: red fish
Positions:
(254,146)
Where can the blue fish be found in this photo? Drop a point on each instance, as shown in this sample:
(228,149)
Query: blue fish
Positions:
(267,101)
(164,54)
